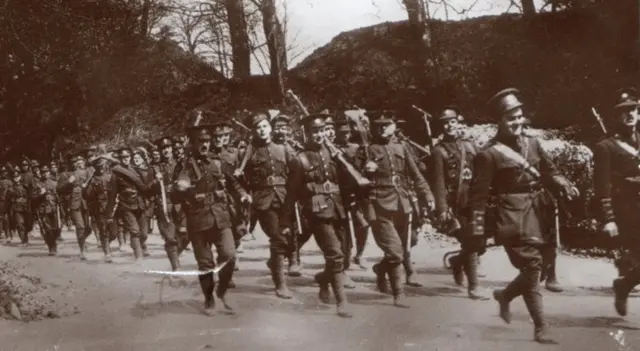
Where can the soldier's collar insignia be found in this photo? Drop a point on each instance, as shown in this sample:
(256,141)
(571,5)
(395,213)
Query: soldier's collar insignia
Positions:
(467,174)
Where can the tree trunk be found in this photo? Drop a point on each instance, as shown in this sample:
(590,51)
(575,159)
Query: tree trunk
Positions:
(276,44)
(417,16)
(241,51)
(528,8)
(144,21)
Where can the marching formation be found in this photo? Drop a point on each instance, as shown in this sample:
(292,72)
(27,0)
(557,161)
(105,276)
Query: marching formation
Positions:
(345,178)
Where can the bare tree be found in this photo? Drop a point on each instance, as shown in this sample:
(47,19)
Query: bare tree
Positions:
(274,32)
(239,38)
(528,8)
(190,28)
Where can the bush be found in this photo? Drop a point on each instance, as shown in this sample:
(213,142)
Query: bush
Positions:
(579,231)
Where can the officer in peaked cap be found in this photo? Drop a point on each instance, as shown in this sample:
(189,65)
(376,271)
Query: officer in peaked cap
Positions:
(528,236)
(221,134)
(616,182)
(330,127)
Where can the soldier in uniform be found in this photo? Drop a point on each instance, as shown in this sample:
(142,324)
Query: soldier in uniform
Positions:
(617,191)
(17,199)
(266,174)
(129,188)
(452,162)
(45,202)
(5,185)
(27,180)
(388,206)
(360,227)
(203,189)
(313,182)
(73,185)
(163,172)
(96,195)
(521,175)
(139,163)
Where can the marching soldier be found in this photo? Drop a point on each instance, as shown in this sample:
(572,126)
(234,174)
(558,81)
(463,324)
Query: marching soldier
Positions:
(139,163)
(516,169)
(313,182)
(361,227)
(452,162)
(164,208)
(266,174)
(5,185)
(73,185)
(45,202)
(17,199)
(203,189)
(96,195)
(617,188)
(388,207)
(129,188)
(27,179)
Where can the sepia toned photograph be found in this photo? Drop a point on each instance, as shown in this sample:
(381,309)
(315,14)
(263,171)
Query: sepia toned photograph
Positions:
(314,175)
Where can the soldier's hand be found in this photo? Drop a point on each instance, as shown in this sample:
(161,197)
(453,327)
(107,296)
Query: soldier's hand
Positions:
(43,191)
(572,193)
(159,176)
(431,205)
(246,199)
(444,217)
(286,231)
(72,179)
(371,167)
(237,173)
(182,185)
(611,229)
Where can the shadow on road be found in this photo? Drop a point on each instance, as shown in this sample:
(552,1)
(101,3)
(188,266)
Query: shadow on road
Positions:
(590,322)
(147,310)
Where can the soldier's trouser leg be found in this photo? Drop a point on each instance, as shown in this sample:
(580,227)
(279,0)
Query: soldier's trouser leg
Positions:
(48,226)
(346,244)
(527,259)
(387,229)
(293,250)
(270,223)
(329,235)
(411,279)
(79,221)
(168,232)
(18,218)
(226,248)
(361,235)
(131,221)
(549,256)
(471,248)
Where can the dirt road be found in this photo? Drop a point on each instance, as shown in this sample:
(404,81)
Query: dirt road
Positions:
(117,307)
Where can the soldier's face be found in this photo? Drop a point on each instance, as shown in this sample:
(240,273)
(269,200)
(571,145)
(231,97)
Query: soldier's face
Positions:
(156,156)
(79,164)
(451,127)
(344,136)
(263,130)
(386,131)
(125,158)
(138,160)
(167,152)
(221,140)
(25,167)
(514,120)
(317,134)
(203,145)
(629,117)
(46,174)
(54,168)
(330,132)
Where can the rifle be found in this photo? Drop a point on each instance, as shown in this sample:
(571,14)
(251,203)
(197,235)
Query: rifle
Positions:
(425,116)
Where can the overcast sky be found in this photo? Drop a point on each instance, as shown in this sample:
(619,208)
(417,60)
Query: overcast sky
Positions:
(313,23)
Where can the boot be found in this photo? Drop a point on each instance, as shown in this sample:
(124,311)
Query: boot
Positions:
(542,335)
(324,294)
(83,248)
(551,283)
(137,250)
(621,290)
(348,282)
(106,248)
(143,246)
(174,260)
(226,275)
(395,276)
(294,266)
(381,277)
(411,276)
(208,285)
(337,284)
(505,310)
(480,270)
(533,300)
(279,279)
(470,265)
(458,271)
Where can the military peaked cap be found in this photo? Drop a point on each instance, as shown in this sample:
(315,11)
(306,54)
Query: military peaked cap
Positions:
(626,98)
(504,101)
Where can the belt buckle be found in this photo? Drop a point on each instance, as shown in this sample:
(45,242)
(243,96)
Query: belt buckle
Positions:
(326,187)
(270,180)
(395,180)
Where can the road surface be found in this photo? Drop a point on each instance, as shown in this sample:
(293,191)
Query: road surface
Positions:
(120,308)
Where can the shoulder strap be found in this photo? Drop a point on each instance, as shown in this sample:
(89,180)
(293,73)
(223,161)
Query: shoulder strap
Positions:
(626,147)
(196,169)
(511,154)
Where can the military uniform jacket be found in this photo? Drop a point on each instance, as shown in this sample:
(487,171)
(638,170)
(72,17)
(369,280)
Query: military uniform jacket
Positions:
(451,175)
(18,196)
(524,210)
(616,182)
(130,197)
(266,174)
(74,190)
(97,193)
(47,202)
(313,182)
(391,181)
(206,203)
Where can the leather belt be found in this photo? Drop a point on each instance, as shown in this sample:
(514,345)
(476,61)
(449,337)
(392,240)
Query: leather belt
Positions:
(522,189)
(271,181)
(324,188)
(389,182)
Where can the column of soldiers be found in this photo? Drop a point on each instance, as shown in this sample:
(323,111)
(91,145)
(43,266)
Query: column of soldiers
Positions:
(341,180)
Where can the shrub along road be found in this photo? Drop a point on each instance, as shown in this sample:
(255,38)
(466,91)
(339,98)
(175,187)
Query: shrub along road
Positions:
(117,307)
